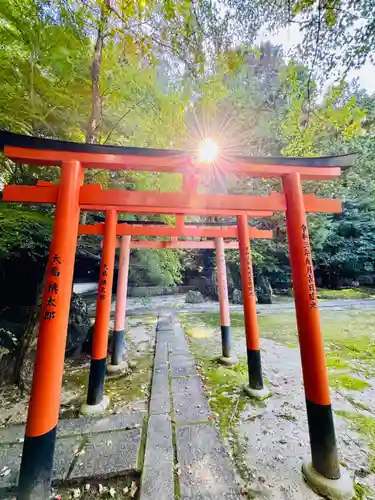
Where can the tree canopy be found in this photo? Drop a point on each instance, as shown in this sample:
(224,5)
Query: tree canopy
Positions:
(168,73)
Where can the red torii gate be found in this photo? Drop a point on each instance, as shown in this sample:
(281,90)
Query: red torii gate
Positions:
(324,474)
(95,401)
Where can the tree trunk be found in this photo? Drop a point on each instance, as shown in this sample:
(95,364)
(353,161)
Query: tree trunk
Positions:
(24,365)
(94,125)
(25,359)
(95,122)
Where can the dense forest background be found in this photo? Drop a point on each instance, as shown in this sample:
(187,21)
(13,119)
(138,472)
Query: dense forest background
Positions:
(167,73)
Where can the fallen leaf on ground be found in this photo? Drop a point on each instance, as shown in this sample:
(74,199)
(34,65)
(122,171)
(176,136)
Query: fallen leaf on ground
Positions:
(133,489)
(244,491)
(5,471)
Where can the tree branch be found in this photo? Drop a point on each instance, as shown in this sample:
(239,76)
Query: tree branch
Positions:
(313,65)
(121,118)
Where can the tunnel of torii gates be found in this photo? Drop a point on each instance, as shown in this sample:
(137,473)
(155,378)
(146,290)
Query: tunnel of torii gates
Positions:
(71,196)
(95,396)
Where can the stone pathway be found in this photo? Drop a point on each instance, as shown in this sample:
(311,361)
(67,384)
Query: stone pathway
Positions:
(86,448)
(181,455)
(184,456)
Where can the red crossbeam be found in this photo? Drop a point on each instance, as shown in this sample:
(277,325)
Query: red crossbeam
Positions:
(94,198)
(172,231)
(181,244)
(31,194)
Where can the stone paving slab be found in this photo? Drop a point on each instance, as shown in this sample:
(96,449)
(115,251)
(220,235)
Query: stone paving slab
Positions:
(189,401)
(160,404)
(160,362)
(160,380)
(179,344)
(77,426)
(176,359)
(74,426)
(161,349)
(161,353)
(118,422)
(164,322)
(165,335)
(179,347)
(160,399)
(157,477)
(183,368)
(72,434)
(108,454)
(10,456)
(206,469)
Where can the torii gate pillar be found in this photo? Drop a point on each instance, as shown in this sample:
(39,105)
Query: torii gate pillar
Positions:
(39,444)
(222,283)
(117,360)
(97,402)
(256,388)
(324,473)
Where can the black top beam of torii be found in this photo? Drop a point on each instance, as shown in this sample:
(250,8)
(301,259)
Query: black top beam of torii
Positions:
(24,141)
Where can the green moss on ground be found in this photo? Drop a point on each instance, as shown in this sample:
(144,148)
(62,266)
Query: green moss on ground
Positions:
(346,293)
(336,362)
(362,492)
(224,386)
(348,335)
(365,426)
(341,380)
(76,378)
(133,386)
(122,388)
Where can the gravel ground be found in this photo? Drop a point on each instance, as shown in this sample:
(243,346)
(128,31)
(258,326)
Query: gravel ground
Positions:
(273,438)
